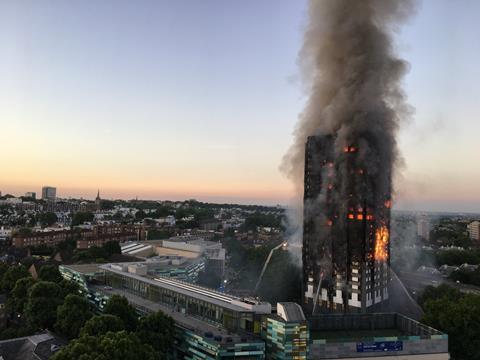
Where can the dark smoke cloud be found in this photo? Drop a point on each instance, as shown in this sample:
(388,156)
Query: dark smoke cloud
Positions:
(353,81)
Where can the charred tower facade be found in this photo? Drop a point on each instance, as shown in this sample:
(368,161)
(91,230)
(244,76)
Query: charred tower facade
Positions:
(347,200)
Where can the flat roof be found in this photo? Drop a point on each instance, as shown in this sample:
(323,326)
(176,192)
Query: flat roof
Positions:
(84,268)
(355,334)
(194,291)
(131,247)
(187,321)
(340,327)
(137,250)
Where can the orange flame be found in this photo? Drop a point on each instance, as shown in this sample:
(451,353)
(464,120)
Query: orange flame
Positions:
(349,149)
(381,243)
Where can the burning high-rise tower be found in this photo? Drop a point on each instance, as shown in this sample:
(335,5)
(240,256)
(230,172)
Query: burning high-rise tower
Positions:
(354,108)
(346,228)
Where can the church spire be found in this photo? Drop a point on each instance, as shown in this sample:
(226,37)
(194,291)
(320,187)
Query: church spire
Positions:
(98,201)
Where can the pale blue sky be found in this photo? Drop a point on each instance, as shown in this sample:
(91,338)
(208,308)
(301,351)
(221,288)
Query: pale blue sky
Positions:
(189,98)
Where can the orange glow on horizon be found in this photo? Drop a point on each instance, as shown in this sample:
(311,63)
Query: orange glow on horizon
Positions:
(217,192)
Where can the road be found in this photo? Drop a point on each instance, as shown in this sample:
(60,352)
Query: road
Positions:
(416,282)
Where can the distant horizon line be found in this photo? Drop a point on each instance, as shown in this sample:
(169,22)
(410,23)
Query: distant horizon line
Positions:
(249,203)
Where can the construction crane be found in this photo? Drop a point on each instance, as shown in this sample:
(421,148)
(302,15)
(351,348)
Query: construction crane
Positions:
(282,245)
(317,293)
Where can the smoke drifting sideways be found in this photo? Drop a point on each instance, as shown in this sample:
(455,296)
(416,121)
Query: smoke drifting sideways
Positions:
(352,78)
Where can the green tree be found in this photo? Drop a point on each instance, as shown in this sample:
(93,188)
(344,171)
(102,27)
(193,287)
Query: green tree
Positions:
(157,330)
(49,273)
(81,217)
(107,205)
(102,324)
(118,305)
(19,294)
(112,346)
(460,319)
(3,269)
(16,332)
(82,257)
(441,291)
(467,276)
(163,211)
(112,247)
(47,219)
(457,257)
(43,299)
(204,214)
(11,276)
(31,222)
(72,315)
(69,287)
(140,215)
(260,219)
(155,234)
(96,252)
(28,261)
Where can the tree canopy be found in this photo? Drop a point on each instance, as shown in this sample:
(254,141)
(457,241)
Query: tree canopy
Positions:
(11,275)
(19,294)
(112,247)
(49,273)
(457,257)
(47,219)
(43,299)
(118,305)
(441,291)
(252,222)
(82,217)
(72,315)
(456,314)
(102,324)
(157,330)
(467,276)
(111,346)
(69,287)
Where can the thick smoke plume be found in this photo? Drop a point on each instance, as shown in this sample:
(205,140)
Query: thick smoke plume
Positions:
(353,81)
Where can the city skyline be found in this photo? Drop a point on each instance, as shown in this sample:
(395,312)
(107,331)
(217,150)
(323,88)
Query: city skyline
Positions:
(199,101)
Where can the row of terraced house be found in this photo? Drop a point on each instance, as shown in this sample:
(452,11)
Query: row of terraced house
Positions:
(95,236)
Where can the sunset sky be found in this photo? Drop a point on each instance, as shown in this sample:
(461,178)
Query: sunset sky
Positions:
(183,98)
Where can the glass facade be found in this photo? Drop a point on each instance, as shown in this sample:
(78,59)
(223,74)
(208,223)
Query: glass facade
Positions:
(193,306)
(195,347)
(189,345)
(83,279)
(285,340)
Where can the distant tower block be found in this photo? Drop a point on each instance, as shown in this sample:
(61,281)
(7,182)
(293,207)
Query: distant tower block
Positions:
(346,250)
(423,227)
(49,193)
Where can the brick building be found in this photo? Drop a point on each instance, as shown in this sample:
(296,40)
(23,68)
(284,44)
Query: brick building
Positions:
(47,238)
(97,236)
